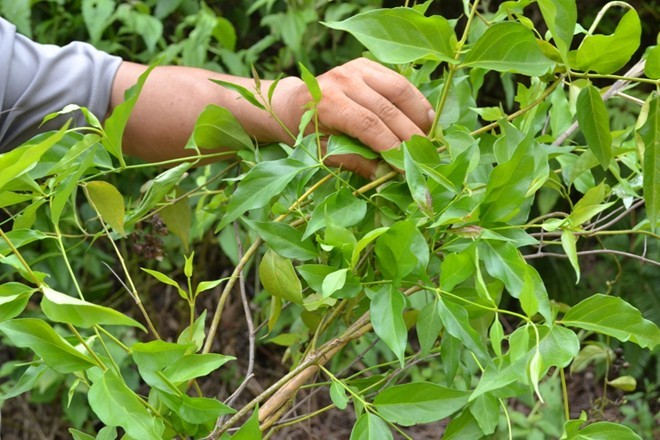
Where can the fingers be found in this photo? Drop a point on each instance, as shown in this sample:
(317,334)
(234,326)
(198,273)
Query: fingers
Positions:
(355,163)
(372,103)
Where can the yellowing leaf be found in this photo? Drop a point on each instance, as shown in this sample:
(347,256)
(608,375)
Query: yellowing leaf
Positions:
(108,202)
(279,278)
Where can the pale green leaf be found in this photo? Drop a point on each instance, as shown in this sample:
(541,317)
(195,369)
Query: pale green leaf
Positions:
(20,160)
(652,66)
(568,242)
(338,395)
(14,298)
(333,282)
(456,322)
(178,219)
(604,431)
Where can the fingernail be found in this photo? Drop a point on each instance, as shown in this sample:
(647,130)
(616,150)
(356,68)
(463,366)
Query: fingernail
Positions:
(431,116)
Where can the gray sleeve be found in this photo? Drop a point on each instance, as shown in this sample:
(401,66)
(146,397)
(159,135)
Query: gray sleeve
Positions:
(37,79)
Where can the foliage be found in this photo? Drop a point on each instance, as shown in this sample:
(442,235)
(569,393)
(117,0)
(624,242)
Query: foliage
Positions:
(427,267)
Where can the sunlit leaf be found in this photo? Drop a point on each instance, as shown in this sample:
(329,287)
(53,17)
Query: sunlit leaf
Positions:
(109,203)
(401,35)
(606,54)
(508,47)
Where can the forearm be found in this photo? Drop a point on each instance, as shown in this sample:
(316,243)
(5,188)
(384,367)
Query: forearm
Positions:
(172,99)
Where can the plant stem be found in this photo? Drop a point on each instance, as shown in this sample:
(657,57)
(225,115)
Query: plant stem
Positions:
(15,251)
(564,393)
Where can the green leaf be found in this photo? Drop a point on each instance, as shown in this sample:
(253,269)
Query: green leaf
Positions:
(402,250)
(14,298)
(456,268)
(588,206)
(250,430)
(614,317)
(652,67)
(595,124)
(507,187)
(199,410)
(605,54)
(559,347)
(338,395)
(342,144)
(568,242)
(245,93)
(364,242)
(97,15)
(158,188)
(386,310)
(561,18)
(59,307)
(117,405)
(456,322)
(333,282)
(624,383)
(463,427)
(401,35)
(108,202)
(194,334)
(20,160)
(195,365)
(370,427)
(260,185)
(429,325)
(284,239)
(604,431)
(115,124)
(416,183)
(505,262)
(419,402)
(166,280)
(508,47)
(218,128)
(279,278)
(40,337)
(311,83)
(650,134)
(342,207)
(486,411)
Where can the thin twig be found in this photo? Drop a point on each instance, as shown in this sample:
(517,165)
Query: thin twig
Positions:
(617,218)
(248,318)
(634,72)
(594,252)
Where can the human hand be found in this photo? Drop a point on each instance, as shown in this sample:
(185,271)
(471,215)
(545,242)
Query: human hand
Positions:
(361,99)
